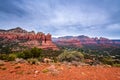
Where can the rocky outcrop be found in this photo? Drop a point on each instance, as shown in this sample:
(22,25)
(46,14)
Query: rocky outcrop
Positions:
(29,39)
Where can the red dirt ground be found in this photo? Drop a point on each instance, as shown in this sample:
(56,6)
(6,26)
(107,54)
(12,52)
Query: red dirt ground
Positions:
(27,72)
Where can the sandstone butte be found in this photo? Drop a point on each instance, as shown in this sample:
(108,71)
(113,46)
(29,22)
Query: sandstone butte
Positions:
(30,39)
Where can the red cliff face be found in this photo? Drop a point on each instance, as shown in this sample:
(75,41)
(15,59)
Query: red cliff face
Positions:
(30,39)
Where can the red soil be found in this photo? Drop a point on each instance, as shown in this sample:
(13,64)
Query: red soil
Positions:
(27,72)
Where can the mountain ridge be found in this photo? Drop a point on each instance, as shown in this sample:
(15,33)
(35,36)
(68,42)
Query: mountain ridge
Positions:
(85,40)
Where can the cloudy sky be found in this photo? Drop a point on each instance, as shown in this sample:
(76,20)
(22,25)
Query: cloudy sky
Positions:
(63,17)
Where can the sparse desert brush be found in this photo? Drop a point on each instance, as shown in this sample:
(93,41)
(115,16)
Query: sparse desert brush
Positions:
(20,55)
(20,60)
(45,70)
(53,70)
(54,73)
(17,67)
(13,63)
(1,64)
(58,64)
(20,72)
(33,61)
(116,65)
(3,56)
(28,72)
(11,57)
(68,67)
(3,68)
(71,56)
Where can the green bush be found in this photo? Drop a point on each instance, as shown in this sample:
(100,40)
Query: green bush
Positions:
(3,56)
(36,52)
(21,55)
(71,56)
(107,60)
(5,50)
(27,54)
(11,57)
(32,53)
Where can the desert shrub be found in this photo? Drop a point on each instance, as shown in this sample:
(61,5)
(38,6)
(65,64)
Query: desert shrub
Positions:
(36,52)
(55,59)
(50,53)
(116,65)
(20,55)
(32,53)
(11,57)
(71,56)
(87,56)
(27,54)
(107,60)
(3,56)
(5,50)
(45,70)
(32,61)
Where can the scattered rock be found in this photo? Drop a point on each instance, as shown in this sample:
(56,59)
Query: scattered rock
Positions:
(52,69)
(47,60)
(20,60)
(12,71)
(36,73)
(107,66)
(75,63)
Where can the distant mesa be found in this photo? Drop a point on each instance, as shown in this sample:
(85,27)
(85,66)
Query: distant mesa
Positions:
(27,39)
(81,41)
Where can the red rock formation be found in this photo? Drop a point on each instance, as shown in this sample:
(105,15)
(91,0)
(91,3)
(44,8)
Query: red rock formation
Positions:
(39,40)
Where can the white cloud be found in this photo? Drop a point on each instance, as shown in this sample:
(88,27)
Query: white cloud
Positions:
(60,17)
(70,15)
(60,14)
